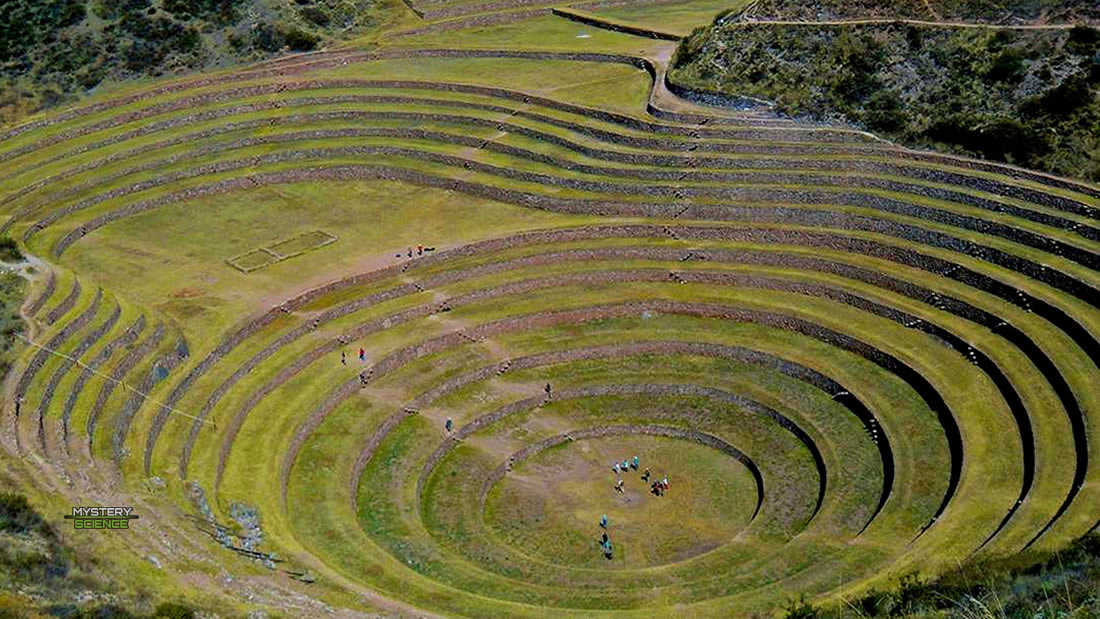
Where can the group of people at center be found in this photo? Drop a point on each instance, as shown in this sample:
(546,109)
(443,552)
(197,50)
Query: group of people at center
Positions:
(657,486)
(420,251)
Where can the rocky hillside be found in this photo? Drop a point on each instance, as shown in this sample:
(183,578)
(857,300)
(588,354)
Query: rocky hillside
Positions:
(53,50)
(41,576)
(982,11)
(1028,97)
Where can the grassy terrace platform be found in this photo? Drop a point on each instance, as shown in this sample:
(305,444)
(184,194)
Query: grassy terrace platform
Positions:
(853,361)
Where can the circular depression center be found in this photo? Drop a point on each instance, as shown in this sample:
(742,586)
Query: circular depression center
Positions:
(549,505)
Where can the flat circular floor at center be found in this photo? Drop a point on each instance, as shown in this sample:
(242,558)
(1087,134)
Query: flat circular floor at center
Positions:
(550,505)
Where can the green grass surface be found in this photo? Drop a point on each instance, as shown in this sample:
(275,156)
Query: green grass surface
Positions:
(680,18)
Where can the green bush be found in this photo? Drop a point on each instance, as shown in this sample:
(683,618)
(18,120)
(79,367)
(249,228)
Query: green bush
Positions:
(9,250)
(299,40)
(885,112)
(914,38)
(1008,66)
(1066,98)
(17,516)
(800,610)
(315,16)
(1083,40)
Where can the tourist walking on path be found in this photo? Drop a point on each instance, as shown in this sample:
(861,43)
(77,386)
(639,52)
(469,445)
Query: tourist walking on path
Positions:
(450,424)
(635,463)
(603,521)
(362,355)
(343,357)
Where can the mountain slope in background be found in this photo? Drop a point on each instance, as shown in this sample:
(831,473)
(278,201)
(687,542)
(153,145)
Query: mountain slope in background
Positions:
(1028,97)
(52,50)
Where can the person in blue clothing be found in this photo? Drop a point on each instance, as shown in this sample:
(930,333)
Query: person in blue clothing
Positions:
(634,464)
(603,521)
(449,425)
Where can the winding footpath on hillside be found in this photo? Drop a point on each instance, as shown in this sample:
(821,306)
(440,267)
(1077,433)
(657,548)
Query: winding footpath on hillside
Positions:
(897,348)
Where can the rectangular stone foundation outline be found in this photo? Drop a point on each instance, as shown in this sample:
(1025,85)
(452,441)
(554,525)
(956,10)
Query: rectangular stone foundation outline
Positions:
(273,255)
